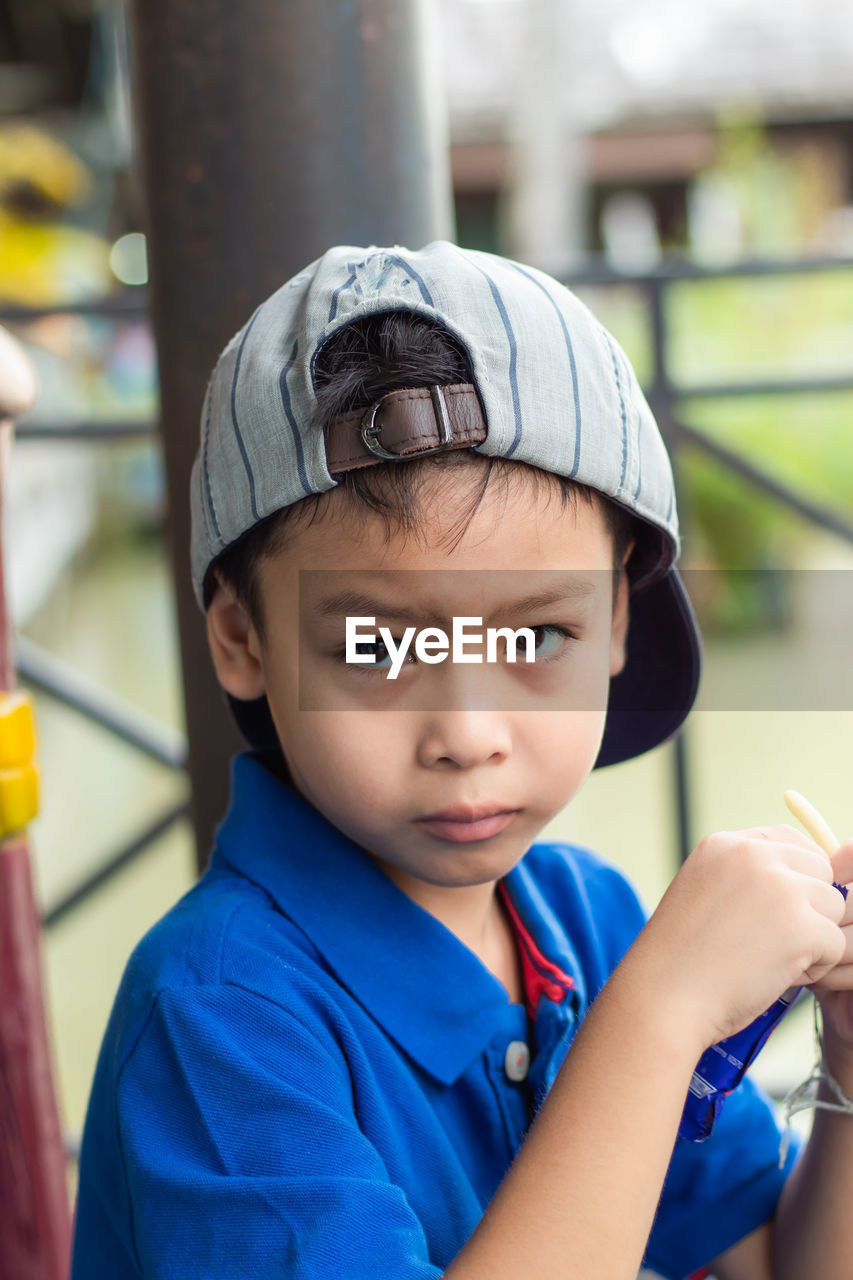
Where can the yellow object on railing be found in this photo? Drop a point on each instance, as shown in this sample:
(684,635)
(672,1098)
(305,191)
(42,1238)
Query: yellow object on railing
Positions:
(19,777)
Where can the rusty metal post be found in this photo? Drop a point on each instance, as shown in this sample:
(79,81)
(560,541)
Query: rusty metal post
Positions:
(35,1215)
(270,130)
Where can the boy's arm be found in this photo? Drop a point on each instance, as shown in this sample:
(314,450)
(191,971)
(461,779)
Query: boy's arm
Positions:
(813,1230)
(750,914)
(581,1196)
(749,1259)
(814,1225)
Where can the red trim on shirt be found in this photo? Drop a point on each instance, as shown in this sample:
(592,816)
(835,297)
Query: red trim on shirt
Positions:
(539,974)
(542,977)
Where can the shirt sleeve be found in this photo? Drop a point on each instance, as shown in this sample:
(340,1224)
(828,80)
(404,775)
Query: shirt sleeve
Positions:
(718,1191)
(243,1155)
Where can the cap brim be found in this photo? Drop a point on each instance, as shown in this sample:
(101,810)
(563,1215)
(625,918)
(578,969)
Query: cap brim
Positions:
(649,699)
(652,695)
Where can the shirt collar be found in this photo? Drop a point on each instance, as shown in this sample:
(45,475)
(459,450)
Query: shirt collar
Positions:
(429,991)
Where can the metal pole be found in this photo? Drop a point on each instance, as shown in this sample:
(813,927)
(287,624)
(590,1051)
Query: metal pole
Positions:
(270,130)
(661,398)
(35,1215)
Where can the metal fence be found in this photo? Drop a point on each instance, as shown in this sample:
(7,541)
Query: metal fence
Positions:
(666,397)
(51,677)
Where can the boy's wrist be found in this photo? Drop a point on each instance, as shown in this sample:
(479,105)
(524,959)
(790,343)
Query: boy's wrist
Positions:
(838,1058)
(670,1006)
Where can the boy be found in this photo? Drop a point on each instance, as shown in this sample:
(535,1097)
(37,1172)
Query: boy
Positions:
(327,1059)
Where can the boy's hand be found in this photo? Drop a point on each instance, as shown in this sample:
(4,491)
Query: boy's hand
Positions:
(750,914)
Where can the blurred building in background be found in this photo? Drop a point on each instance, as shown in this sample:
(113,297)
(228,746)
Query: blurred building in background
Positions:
(719,128)
(578,127)
(69,232)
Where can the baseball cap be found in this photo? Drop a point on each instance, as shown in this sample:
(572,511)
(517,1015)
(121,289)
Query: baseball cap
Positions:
(549,386)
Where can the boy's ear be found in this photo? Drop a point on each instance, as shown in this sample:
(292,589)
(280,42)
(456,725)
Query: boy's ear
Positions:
(621,619)
(234,645)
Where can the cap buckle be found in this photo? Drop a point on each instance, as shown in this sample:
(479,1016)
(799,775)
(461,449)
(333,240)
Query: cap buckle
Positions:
(370,429)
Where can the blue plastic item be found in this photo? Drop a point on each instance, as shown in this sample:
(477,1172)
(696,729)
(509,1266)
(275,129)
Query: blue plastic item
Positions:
(724,1065)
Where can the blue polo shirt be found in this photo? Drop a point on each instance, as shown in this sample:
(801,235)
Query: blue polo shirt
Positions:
(306,1075)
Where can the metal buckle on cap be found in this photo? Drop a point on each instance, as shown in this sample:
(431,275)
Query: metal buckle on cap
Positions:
(370,429)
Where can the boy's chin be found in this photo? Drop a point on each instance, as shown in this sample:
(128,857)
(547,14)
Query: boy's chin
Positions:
(461,867)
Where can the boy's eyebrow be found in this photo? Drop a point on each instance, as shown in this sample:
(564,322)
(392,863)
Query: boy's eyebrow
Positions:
(356,603)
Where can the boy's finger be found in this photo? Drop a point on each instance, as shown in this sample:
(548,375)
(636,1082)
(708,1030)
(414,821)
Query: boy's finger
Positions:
(785,834)
(847,934)
(839,978)
(781,833)
(842,863)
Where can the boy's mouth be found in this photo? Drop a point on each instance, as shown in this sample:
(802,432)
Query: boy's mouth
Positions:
(468,822)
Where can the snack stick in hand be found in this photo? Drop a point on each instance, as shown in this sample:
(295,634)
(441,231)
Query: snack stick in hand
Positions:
(808,815)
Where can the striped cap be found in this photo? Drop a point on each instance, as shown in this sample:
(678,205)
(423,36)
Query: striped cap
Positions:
(556,391)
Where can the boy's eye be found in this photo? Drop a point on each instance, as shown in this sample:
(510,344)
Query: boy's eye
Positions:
(551,637)
(549,641)
(378,648)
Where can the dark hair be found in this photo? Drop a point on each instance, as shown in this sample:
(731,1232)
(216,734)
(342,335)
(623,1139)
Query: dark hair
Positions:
(357,365)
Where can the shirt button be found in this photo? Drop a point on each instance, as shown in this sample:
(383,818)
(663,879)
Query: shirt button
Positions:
(517,1060)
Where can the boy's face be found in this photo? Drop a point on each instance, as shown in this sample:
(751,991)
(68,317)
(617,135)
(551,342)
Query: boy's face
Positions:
(378,757)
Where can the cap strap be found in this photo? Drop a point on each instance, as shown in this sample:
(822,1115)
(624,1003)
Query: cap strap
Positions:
(404,424)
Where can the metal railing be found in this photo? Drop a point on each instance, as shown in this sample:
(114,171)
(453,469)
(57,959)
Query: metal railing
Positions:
(666,395)
(54,679)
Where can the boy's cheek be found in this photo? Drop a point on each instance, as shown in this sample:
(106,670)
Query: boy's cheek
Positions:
(347,745)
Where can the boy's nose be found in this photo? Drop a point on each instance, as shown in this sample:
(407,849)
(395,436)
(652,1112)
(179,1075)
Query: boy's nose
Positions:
(464,737)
